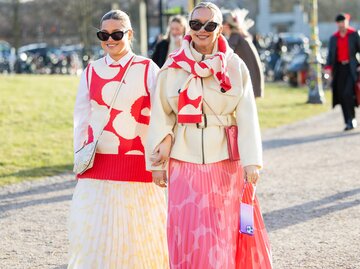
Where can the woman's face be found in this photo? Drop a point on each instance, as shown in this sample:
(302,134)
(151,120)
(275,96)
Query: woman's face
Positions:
(204,41)
(116,48)
(176,29)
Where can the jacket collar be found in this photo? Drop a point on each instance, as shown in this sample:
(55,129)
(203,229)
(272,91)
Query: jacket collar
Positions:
(122,62)
(350,30)
(199,56)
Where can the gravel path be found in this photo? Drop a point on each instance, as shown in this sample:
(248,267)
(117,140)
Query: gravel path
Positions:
(310,197)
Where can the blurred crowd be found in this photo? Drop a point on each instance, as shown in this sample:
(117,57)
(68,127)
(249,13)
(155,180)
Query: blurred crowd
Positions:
(283,56)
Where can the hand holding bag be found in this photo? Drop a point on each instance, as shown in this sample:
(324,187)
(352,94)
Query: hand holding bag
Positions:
(84,157)
(247,213)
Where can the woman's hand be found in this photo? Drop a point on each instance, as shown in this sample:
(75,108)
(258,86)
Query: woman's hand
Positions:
(252,174)
(159,178)
(161,153)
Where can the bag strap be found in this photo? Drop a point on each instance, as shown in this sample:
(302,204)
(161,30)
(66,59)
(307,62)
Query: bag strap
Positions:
(115,96)
(243,190)
(119,86)
(213,112)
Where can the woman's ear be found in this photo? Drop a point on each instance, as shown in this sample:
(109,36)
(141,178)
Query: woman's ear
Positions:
(130,34)
(220,30)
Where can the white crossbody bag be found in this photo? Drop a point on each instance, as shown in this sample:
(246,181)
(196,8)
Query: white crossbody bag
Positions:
(84,157)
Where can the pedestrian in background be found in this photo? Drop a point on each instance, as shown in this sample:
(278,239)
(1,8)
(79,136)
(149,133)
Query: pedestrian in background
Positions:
(235,29)
(117,216)
(171,41)
(203,88)
(344,66)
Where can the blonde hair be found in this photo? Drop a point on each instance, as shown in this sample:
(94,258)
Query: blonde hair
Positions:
(179,19)
(217,15)
(117,15)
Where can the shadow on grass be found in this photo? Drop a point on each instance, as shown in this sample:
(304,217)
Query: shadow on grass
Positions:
(296,104)
(36,172)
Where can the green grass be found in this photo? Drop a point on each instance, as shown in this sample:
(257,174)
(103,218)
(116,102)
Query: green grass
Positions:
(35,126)
(282,105)
(36,122)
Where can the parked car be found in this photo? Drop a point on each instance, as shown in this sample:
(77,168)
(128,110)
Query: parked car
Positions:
(279,54)
(298,69)
(73,56)
(33,58)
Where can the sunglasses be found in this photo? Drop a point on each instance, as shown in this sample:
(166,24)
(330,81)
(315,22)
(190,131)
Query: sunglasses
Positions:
(209,26)
(104,36)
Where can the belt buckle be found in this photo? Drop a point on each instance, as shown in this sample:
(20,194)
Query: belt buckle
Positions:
(203,123)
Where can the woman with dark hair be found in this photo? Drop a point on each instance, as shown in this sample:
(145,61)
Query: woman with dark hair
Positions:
(235,29)
(172,40)
(117,217)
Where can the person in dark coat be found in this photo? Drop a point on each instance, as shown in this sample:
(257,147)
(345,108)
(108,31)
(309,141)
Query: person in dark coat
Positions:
(235,28)
(342,63)
(176,30)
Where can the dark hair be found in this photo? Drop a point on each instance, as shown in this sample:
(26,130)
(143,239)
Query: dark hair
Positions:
(342,17)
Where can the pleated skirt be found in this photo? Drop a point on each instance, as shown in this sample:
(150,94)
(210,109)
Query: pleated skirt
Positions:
(203,219)
(116,225)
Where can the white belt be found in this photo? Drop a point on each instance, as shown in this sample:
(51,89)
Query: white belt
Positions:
(213,120)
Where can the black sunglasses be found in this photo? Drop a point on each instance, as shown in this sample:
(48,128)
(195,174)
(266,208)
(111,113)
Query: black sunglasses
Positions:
(209,26)
(104,36)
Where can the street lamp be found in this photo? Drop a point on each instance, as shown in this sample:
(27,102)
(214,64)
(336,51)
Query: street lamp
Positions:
(316,92)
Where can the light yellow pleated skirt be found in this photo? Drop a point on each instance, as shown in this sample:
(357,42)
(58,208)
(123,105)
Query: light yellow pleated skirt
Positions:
(116,225)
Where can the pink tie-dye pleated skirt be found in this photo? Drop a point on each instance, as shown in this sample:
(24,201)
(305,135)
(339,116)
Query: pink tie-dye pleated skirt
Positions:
(203,219)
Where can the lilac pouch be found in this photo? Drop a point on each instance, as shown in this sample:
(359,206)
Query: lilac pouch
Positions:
(247,219)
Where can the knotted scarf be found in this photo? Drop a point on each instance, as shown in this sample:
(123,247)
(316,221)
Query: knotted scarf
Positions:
(191,92)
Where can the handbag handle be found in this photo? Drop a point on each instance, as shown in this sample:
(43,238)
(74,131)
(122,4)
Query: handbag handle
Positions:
(115,96)
(243,190)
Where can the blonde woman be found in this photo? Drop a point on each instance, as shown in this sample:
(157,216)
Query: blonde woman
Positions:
(117,217)
(202,88)
(172,40)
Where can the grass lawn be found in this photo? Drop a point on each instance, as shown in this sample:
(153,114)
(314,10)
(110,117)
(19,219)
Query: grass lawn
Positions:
(36,122)
(35,126)
(282,105)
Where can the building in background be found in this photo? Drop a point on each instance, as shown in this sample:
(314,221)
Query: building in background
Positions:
(292,22)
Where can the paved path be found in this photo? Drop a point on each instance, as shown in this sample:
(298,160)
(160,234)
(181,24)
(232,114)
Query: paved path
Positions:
(310,196)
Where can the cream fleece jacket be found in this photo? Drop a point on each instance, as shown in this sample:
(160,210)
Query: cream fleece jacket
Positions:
(207,145)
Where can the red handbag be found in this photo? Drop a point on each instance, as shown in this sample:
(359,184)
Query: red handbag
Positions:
(357,90)
(231,133)
(232,142)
